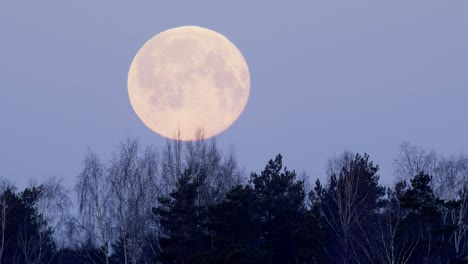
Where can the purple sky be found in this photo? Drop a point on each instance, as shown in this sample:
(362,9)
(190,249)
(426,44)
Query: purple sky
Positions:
(325,76)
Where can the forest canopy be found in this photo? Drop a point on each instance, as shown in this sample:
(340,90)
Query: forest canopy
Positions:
(192,203)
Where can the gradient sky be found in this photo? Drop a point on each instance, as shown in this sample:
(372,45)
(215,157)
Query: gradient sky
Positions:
(325,76)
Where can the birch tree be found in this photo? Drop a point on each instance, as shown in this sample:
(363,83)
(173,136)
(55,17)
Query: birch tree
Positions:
(199,155)
(133,179)
(94,204)
(449,182)
(349,203)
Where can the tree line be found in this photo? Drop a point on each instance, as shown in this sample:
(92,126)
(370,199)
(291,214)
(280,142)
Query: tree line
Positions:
(191,203)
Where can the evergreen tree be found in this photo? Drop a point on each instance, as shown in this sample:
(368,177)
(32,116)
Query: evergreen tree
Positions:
(424,219)
(27,237)
(236,229)
(259,222)
(280,208)
(310,236)
(349,208)
(181,220)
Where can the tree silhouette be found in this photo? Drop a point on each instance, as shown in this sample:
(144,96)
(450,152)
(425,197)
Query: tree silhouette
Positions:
(423,219)
(27,237)
(349,207)
(180,219)
(235,228)
(130,211)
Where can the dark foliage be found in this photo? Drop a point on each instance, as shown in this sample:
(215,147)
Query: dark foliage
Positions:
(181,220)
(349,208)
(424,219)
(26,238)
(350,219)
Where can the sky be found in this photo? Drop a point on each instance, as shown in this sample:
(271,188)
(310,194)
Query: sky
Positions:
(326,76)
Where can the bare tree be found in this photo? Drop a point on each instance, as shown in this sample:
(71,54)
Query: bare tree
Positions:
(94,204)
(449,175)
(171,164)
(336,164)
(115,204)
(412,160)
(229,174)
(134,190)
(457,216)
(54,205)
(204,156)
(222,171)
(449,182)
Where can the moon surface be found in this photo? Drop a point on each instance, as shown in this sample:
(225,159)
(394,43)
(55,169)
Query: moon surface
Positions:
(188,79)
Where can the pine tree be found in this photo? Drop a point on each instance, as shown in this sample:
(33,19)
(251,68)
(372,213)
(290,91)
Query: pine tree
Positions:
(182,235)
(28,238)
(423,219)
(236,229)
(348,207)
(280,208)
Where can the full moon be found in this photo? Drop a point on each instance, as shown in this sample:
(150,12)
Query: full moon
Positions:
(188,79)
